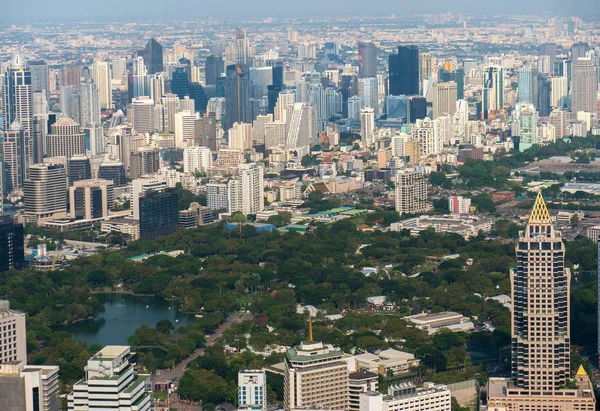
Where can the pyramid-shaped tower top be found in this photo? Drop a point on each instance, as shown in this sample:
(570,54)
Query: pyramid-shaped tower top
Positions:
(539,212)
(581,371)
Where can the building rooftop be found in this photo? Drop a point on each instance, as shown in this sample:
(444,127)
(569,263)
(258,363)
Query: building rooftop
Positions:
(112,351)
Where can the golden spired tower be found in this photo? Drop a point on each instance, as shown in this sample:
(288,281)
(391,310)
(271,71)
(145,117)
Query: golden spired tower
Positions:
(540,327)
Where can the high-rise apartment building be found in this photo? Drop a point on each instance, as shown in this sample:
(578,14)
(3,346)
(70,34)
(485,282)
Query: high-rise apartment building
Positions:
(424,131)
(153,57)
(367,126)
(89,97)
(13,345)
(144,115)
(103,79)
(525,125)
(46,191)
(205,132)
(185,128)
(246,193)
(411,192)
(252,390)
(367,59)
(426,66)
(368,92)
(584,89)
(111,381)
(196,159)
(316,377)
(541,345)
(459,205)
(404,71)
(303,126)
(65,139)
(559,97)
(217,196)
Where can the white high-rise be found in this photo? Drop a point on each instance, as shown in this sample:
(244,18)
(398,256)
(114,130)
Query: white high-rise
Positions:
(240,136)
(252,390)
(196,159)
(247,192)
(90,103)
(424,132)
(102,77)
(559,95)
(367,126)
(303,126)
(184,128)
(445,96)
(584,89)
(144,114)
(411,192)
(170,106)
(286,98)
(112,382)
(368,92)
(258,128)
(13,344)
(275,134)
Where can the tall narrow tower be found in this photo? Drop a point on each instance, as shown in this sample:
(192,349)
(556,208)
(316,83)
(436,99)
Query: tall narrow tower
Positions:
(540,327)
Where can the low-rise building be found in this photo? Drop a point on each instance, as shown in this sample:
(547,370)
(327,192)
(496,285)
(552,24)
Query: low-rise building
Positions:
(433,323)
(359,382)
(407,396)
(28,387)
(386,361)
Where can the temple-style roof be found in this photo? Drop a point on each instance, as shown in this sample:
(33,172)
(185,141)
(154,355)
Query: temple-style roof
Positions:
(539,212)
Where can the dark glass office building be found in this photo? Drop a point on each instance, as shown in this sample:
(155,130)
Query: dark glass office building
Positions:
(180,84)
(199,96)
(79,169)
(237,96)
(11,244)
(213,68)
(153,57)
(404,71)
(114,172)
(158,213)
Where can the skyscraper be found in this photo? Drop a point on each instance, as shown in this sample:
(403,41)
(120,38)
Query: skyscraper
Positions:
(89,103)
(213,69)
(579,50)
(367,59)
(457,76)
(65,139)
(46,191)
(445,96)
(180,84)
(303,130)
(404,71)
(11,256)
(246,193)
(549,49)
(367,126)
(17,105)
(493,89)
(40,79)
(79,168)
(411,192)
(13,146)
(241,46)
(158,213)
(540,326)
(237,96)
(70,102)
(584,89)
(153,57)
(102,78)
(525,123)
(528,85)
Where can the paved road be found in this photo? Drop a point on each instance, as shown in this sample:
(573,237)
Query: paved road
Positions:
(162,376)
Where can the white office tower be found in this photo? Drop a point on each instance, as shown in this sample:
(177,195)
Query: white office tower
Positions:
(29,387)
(157,87)
(170,106)
(13,345)
(103,79)
(46,192)
(444,99)
(241,47)
(119,68)
(286,99)
(303,127)
(139,68)
(367,126)
(142,85)
(316,377)
(246,193)
(240,136)
(216,105)
(354,106)
(188,104)
(70,102)
(411,192)
(258,128)
(90,103)
(65,139)
(397,145)
(525,125)
(252,390)
(112,382)
(424,132)
(461,120)
(368,92)
(144,114)
(444,130)
(559,95)
(406,396)
(184,128)
(584,89)
(139,187)
(196,159)
(275,134)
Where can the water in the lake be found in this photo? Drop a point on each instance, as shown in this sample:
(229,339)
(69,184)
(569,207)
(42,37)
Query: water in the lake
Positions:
(123,314)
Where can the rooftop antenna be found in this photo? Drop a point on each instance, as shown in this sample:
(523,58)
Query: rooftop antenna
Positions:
(310,333)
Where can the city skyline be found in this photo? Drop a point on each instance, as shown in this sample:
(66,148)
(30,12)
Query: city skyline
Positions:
(71,10)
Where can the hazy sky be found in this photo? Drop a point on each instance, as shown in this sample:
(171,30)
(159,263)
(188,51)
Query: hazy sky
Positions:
(56,10)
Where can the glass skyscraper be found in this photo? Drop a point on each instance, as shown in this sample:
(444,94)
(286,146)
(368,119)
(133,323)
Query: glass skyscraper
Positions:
(404,71)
